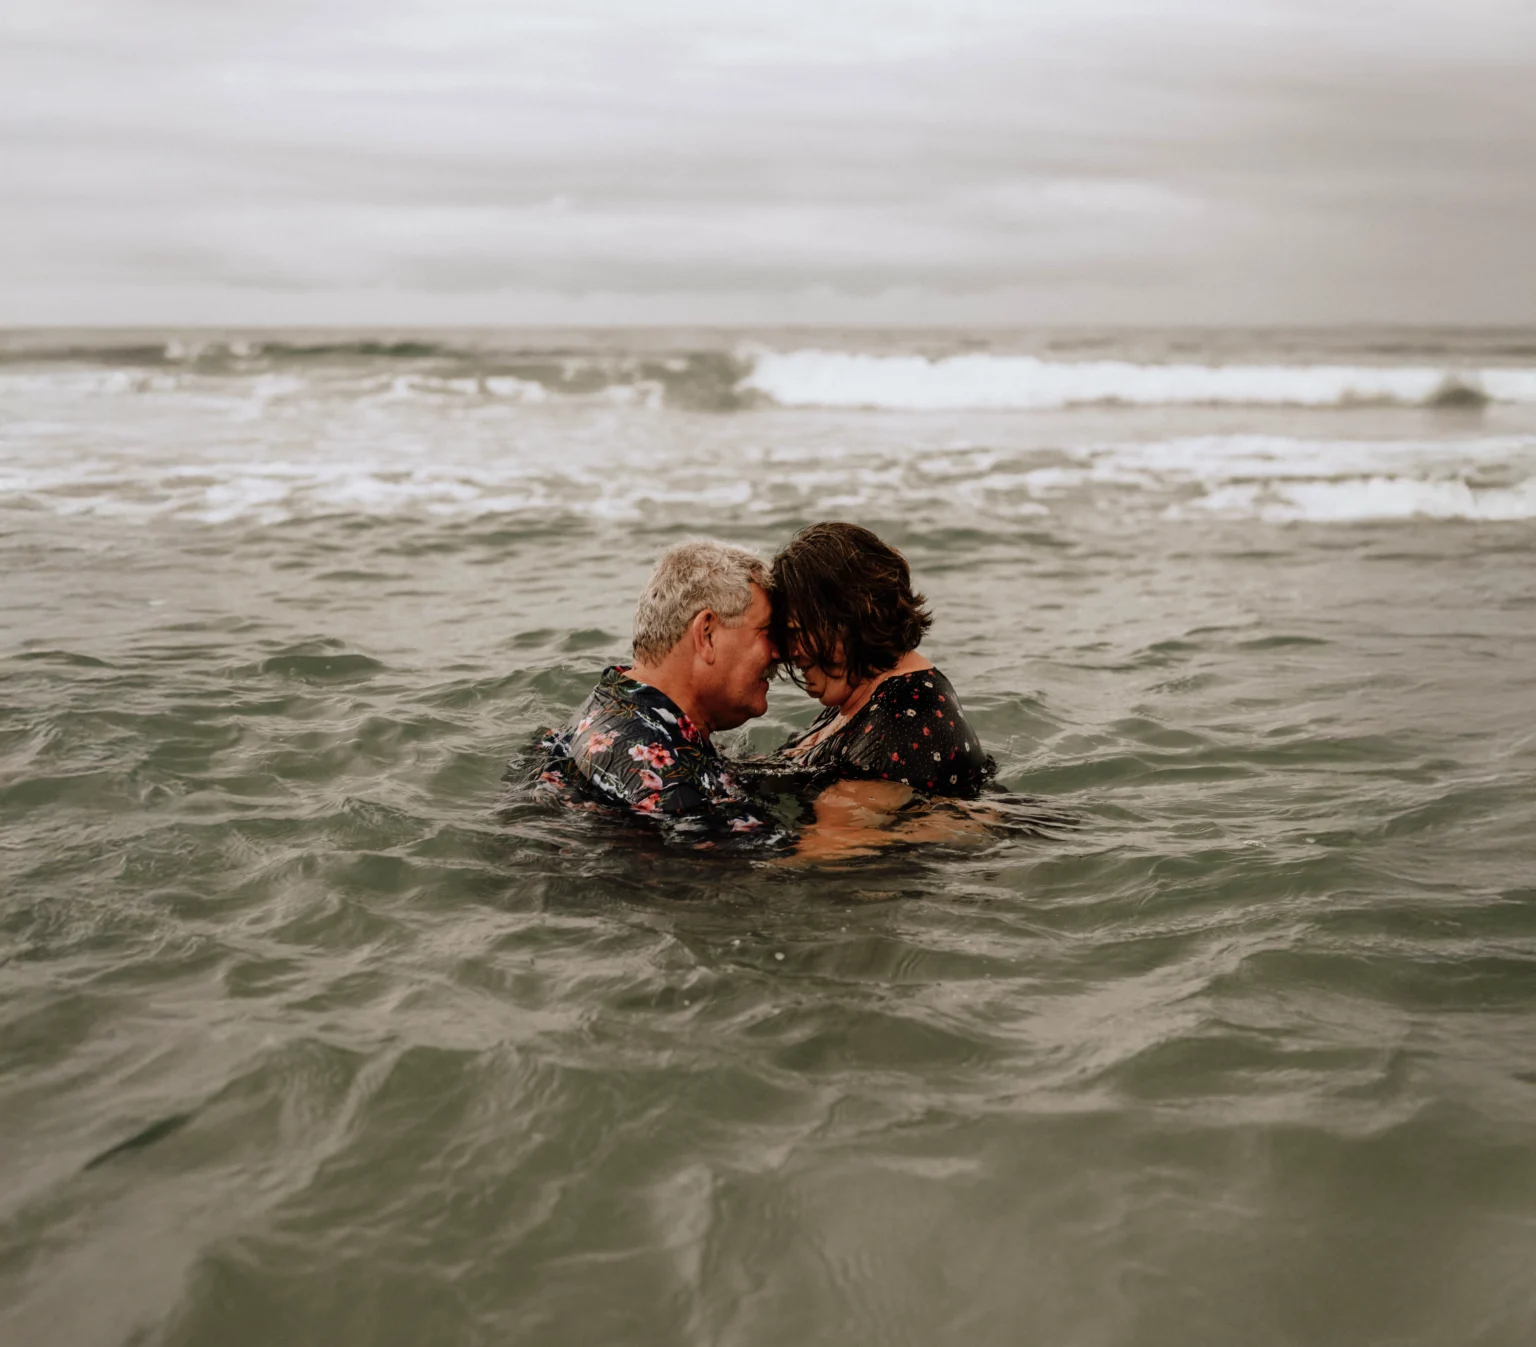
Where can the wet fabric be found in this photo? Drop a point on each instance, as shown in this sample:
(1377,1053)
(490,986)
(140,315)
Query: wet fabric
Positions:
(912,731)
(631,745)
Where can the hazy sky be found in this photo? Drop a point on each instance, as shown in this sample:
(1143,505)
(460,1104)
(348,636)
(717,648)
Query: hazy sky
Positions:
(492,161)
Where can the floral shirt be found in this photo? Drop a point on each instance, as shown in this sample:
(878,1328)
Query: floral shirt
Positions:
(631,745)
(911,730)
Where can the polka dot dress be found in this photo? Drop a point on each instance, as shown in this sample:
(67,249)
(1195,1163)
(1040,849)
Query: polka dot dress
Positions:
(911,731)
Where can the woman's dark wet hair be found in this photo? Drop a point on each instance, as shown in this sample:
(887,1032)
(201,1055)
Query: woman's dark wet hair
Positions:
(838,583)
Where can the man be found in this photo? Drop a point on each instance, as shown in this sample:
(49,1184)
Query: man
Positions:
(703,656)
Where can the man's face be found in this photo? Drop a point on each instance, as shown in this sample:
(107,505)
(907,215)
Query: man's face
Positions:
(744,654)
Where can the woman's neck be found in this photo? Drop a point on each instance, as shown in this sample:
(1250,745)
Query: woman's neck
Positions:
(911,662)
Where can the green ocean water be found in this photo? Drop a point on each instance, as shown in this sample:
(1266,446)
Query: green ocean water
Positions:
(306,1035)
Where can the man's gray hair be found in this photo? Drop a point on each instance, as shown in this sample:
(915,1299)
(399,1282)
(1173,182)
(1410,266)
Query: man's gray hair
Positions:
(689,578)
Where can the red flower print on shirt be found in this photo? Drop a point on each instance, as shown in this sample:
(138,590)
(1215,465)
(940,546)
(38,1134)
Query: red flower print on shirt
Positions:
(655,754)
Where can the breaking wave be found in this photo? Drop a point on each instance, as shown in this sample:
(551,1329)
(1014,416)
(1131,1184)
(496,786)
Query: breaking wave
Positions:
(1022,382)
(735,375)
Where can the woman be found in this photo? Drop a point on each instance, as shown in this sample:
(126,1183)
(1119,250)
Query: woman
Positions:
(849,623)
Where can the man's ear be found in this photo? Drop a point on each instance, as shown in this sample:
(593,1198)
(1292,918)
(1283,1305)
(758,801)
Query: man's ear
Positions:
(702,632)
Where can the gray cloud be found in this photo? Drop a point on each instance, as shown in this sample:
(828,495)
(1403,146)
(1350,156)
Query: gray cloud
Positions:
(1275,160)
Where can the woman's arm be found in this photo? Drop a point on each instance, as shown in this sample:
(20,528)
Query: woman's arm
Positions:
(856,818)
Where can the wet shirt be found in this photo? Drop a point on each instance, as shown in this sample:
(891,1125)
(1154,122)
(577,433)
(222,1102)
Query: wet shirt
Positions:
(631,745)
(911,731)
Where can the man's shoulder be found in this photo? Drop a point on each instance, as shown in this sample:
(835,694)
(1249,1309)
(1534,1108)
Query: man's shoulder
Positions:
(635,711)
(631,743)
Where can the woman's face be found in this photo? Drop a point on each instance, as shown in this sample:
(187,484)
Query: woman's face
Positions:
(829,686)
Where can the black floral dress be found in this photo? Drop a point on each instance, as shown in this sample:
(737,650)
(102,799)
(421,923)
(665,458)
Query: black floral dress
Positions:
(911,731)
(631,745)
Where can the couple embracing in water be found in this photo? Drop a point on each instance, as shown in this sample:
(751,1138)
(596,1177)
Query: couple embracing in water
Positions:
(838,610)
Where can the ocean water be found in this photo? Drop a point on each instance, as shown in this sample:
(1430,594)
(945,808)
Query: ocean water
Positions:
(308,1034)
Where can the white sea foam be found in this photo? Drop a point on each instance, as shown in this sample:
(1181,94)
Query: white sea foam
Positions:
(17,385)
(1221,458)
(283,445)
(978,381)
(816,378)
(1364,499)
(1271,479)
(518,390)
(1280,479)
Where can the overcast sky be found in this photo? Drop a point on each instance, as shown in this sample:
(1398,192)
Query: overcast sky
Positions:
(493,161)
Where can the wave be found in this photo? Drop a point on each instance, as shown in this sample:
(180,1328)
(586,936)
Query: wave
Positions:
(480,472)
(740,375)
(703,380)
(816,378)
(214,351)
